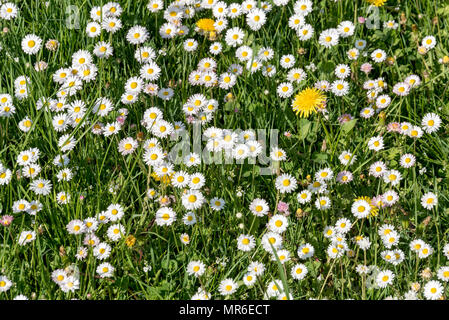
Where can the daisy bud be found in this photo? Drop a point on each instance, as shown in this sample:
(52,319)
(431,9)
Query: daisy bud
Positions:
(323,146)
(422,50)
(140,136)
(426,273)
(415,286)
(391,60)
(52,45)
(403,19)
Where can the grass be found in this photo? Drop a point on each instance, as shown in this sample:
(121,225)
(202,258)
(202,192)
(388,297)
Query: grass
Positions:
(315,143)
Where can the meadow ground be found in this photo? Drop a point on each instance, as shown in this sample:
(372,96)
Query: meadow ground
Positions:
(203,149)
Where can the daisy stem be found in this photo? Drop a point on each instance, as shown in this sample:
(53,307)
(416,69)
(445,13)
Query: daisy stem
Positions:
(174,238)
(364,278)
(342,279)
(327,277)
(325,131)
(416,268)
(201,284)
(276,205)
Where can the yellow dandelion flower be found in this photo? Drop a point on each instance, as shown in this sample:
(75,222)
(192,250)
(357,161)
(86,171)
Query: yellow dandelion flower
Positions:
(165,179)
(377,3)
(206,25)
(155,176)
(130,241)
(374,210)
(307,101)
